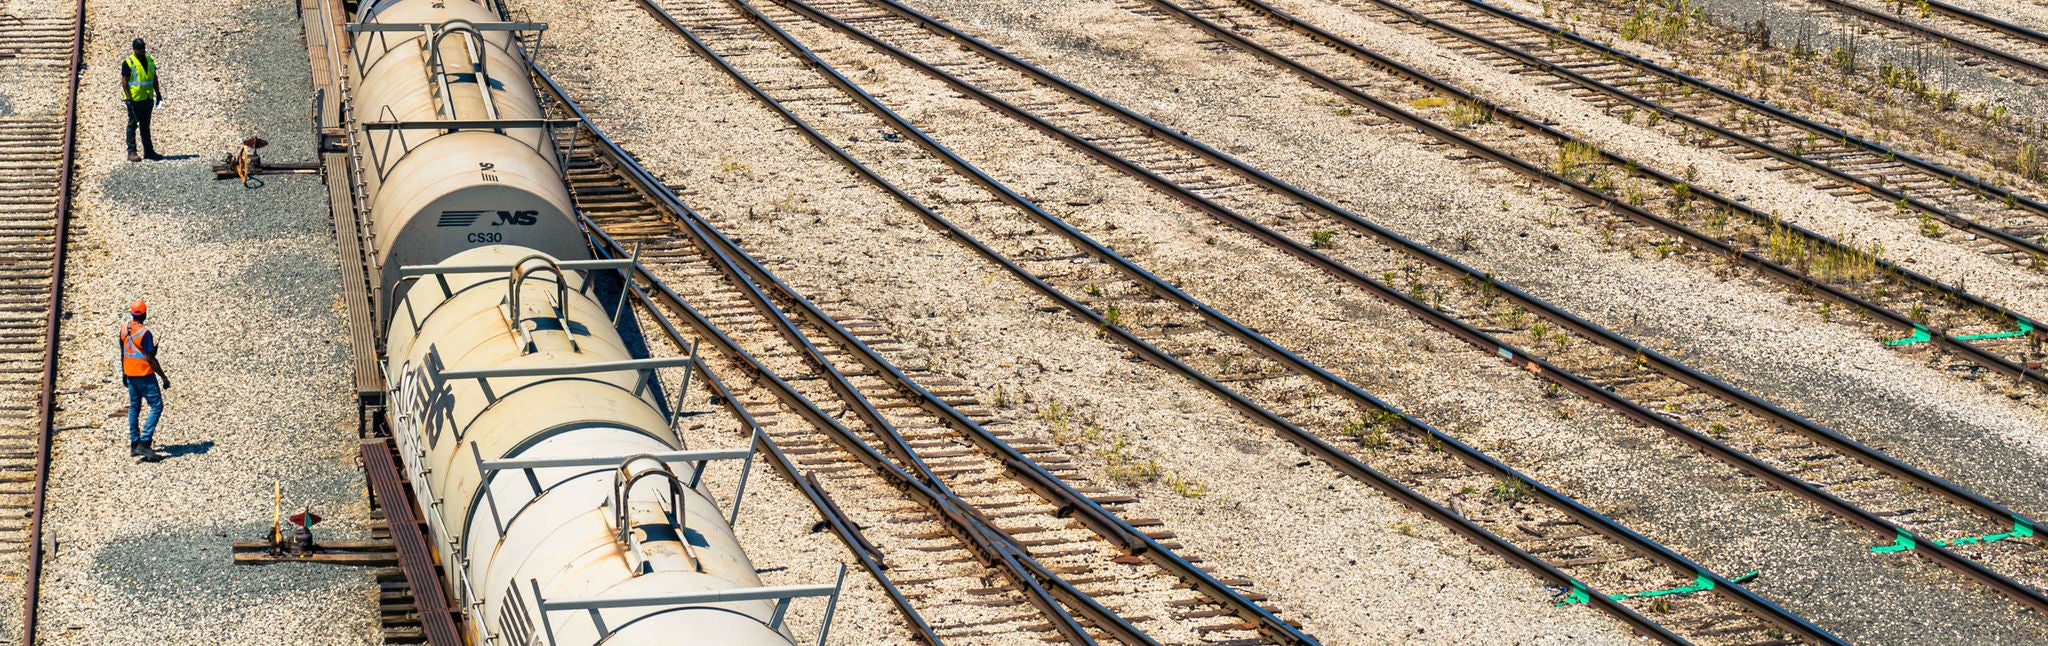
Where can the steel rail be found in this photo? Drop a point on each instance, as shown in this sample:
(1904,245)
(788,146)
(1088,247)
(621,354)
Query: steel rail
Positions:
(1771,268)
(1997,582)
(990,544)
(1614,341)
(1445,322)
(1103,522)
(1108,526)
(1922,164)
(1988,22)
(1483,341)
(46,407)
(2009,239)
(870,558)
(1942,36)
(972,528)
(1315,445)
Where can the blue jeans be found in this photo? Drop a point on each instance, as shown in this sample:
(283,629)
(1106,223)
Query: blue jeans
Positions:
(139,389)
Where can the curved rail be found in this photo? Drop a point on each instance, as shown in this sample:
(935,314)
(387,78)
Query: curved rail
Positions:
(1344,462)
(47,407)
(1090,513)
(1482,340)
(870,558)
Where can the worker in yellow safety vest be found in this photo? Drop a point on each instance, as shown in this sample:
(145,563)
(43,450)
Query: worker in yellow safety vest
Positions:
(141,372)
(141,91)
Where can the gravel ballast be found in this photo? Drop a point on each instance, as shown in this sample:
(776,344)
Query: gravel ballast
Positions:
(243,287)
(1326,551)
(1271,120)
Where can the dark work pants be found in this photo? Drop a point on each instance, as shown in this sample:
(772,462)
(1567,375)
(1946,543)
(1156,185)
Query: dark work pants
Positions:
(138,117)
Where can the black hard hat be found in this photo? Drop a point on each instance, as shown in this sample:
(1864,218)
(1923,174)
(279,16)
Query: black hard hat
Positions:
(138,43)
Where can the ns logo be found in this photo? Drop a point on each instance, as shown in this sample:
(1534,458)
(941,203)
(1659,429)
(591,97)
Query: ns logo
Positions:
(502,218)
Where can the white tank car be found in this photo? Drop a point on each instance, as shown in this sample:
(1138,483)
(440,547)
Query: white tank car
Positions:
(555,532)
(434,192)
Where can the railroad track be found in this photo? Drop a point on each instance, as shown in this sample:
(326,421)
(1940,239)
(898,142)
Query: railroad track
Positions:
(37,152)
(1617,371)
(1988,218)
(1641,206)
(1978,39)
(955,461)
(1588,541)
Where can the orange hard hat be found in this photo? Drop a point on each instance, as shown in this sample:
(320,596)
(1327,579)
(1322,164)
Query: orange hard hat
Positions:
(139,308)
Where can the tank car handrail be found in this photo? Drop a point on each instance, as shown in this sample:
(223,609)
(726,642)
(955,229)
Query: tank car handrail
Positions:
(474,47)
(468,124)
(415,271)
(363,27)
(782,595)
(645,367)
(698,460)
(520,272)
(379,29)
(623,480)
(705,455)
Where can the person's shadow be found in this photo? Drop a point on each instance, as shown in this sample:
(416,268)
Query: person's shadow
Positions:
(188,448)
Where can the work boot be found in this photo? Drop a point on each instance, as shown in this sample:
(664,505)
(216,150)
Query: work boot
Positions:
(134,157)
(152,156)
(149,453)
(134,448)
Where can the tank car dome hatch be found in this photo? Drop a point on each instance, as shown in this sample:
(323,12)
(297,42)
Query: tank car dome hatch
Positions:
(497,368)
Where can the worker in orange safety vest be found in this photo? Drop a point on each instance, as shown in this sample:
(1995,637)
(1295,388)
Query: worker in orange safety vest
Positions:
(141,372)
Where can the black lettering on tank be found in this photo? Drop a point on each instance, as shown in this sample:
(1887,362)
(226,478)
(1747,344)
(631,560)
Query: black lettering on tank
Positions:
(517,218)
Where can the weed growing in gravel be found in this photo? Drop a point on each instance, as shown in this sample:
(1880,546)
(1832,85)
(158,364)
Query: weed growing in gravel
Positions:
(1786,247)
(1681,194)
(1123,468)
(1511,316)
(1573,155)
(1344,111)
(1323,239)
(1918,313)
(1717,220)
(1539,329)
(1431,102)
(1113,316)
(1511,490)
(1843,57)
(1660,605)
(1827,311)
(1840,264)
(1059,418)
(2027,162)
(1405,528)
(1186,487)
(1928,227)
(1002,401)
(1470,113)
